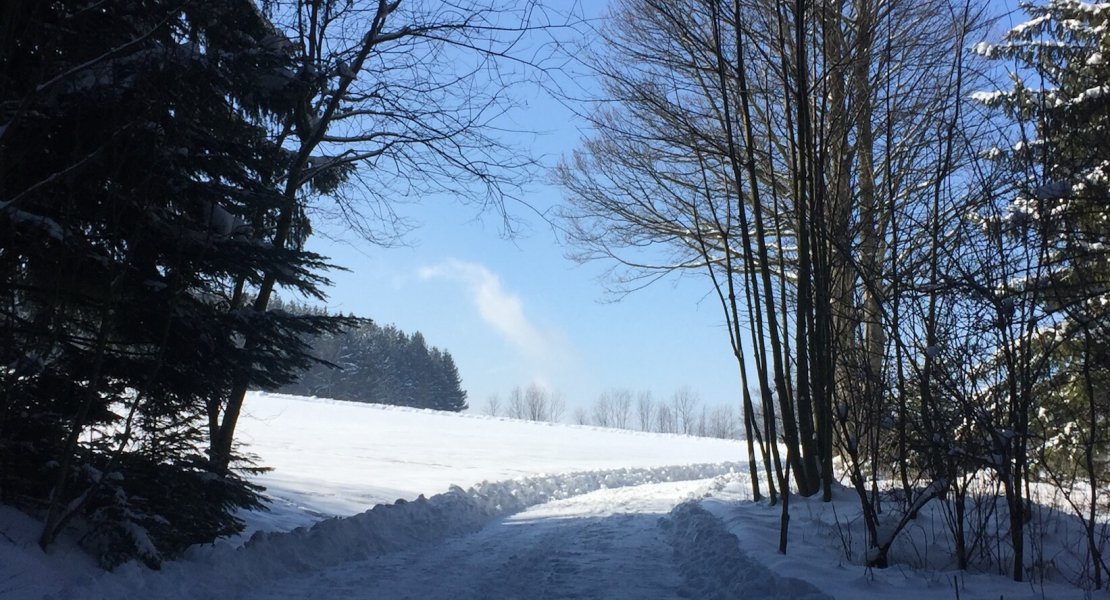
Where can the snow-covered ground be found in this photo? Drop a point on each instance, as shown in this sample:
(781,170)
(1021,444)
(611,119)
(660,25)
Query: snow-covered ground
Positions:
(539,511)
(822,534)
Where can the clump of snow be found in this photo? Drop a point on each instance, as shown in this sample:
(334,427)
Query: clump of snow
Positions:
(983,49)
(993,153)
(988,98)
(1022,28)
(1093,93)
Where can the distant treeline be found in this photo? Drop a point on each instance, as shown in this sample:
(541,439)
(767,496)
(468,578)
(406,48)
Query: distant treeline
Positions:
(621,408)
(381,365)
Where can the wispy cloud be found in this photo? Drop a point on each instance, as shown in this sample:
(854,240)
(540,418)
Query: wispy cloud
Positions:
(497,306)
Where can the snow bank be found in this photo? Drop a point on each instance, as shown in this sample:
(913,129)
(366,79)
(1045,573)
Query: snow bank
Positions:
(714,566)
(226,571)
(828,545)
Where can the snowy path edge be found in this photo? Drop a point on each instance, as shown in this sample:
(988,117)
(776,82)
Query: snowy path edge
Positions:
(220,569)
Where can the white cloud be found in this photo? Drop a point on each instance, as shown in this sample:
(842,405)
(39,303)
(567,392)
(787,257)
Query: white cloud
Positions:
(497,306)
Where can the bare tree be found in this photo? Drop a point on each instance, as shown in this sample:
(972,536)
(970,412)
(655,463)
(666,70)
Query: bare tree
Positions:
(620,403)
(493,405)
(535,403)
(782,149)
(517,407)
(684,406)
(664,419)
(392,99)
(701,424)
(602,411)
(722,423)
(556,407)
(645,410)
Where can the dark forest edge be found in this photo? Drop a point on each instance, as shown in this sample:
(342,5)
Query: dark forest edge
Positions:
(366,362)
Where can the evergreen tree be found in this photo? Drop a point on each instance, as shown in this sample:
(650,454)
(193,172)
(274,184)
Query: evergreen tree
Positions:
(135,163)
(449,394)
(1060,103)
(382,365)
(1059,214)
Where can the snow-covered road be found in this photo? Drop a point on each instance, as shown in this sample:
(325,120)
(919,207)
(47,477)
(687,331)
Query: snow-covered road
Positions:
(604,544)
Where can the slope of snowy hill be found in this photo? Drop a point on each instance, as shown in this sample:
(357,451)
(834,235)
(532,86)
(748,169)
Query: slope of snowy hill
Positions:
(335,458)
(479,508)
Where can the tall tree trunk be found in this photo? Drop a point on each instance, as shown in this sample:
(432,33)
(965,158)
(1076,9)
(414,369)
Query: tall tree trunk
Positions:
(799,429)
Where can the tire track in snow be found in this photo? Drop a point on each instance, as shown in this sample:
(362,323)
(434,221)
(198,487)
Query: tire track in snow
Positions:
(604,544)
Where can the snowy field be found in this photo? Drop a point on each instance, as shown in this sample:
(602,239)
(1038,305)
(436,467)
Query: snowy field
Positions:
(334,458)
(475,508)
